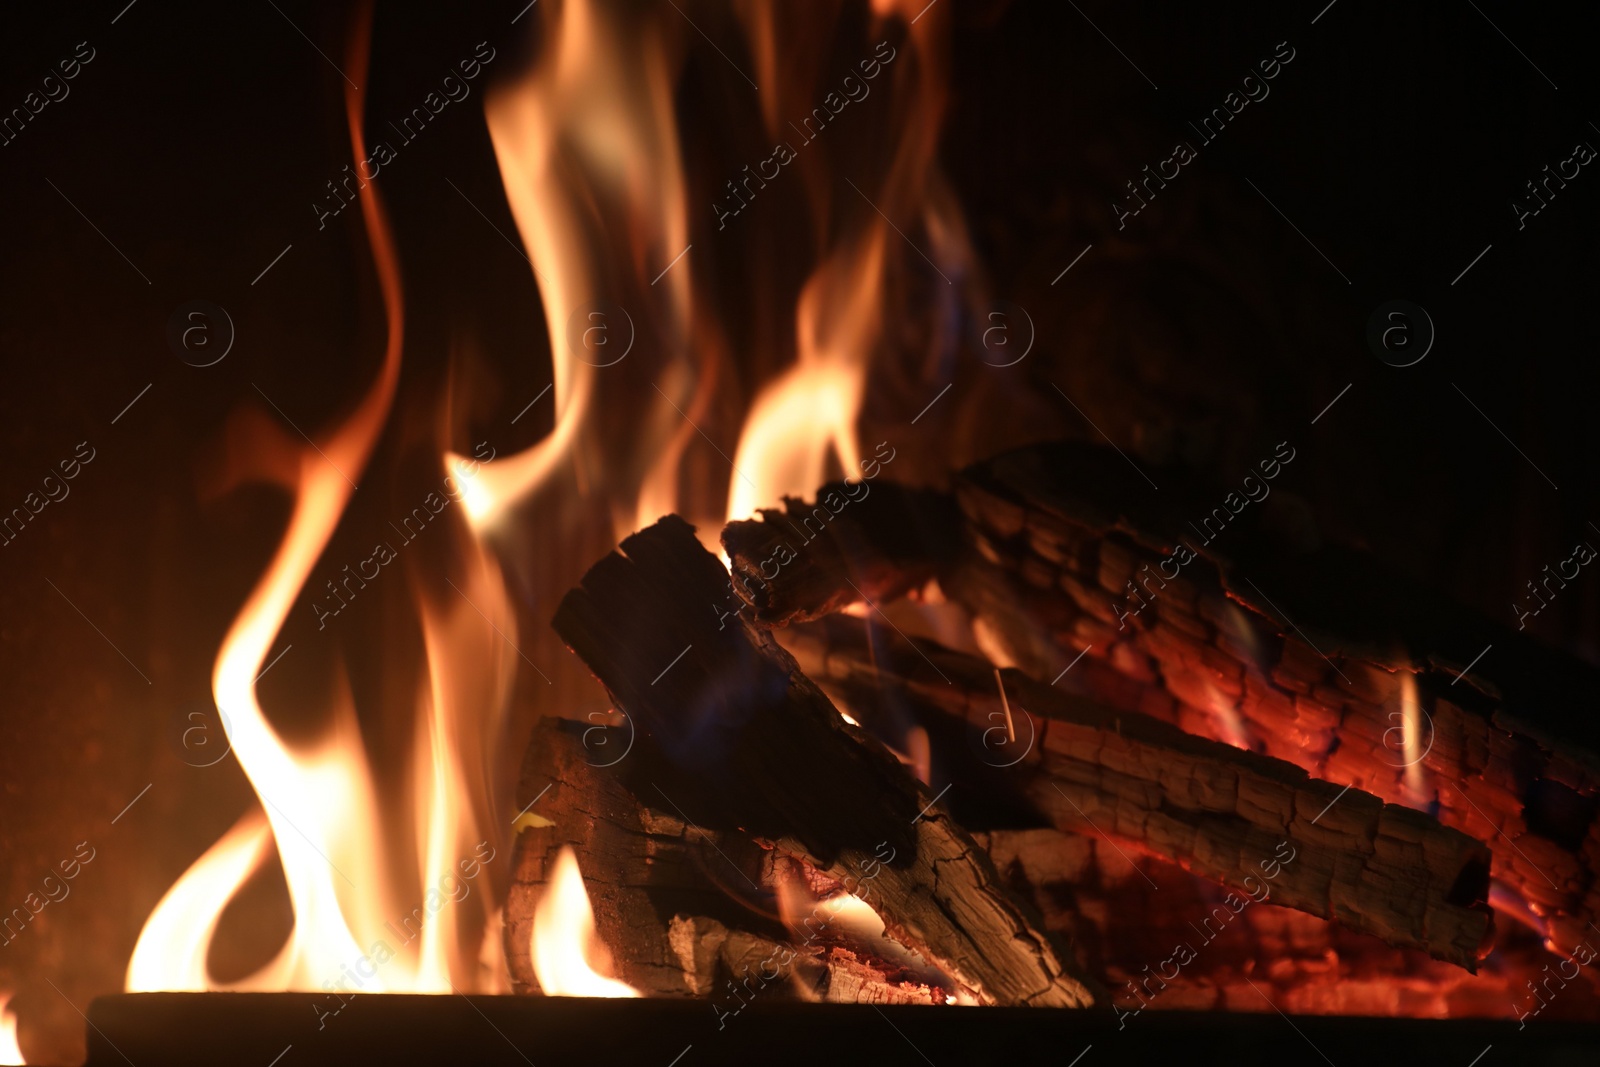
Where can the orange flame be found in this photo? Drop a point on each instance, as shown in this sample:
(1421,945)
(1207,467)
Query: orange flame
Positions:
(1416,740)
(809,414)
(563,931)
(585,137)
(320,807)
(10,1051)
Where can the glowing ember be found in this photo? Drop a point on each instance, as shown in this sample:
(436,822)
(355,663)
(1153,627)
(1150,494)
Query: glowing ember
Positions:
(563,933)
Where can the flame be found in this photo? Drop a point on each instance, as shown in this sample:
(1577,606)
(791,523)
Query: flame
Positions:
(808,415)
(587,144)
(170,954)
(1512,904)
(785,446)
(585,138)
(563,930)
(320,810)
(10,1051)
(1414,736)
(470,668)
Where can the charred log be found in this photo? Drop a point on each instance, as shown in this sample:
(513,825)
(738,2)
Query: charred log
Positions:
(1264,958)
(662,895)
(811,559)
(735,966)
(1258,825)
(1068,554)
(641,866)
(760,751)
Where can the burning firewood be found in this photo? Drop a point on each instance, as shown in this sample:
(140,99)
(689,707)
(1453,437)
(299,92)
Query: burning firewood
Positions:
(629,853)
(681,906)
(1384,687)
(758,750)
(1068,558)
(808,560)
(708,950)
(1128,927)
(1259,825)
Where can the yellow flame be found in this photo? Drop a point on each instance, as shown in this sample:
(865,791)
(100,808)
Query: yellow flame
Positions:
(809,414)
(586,139)
(475,496)
(10,1051)
(319,803)
(170,954)
(563,928)
(1413,735)
(470,671)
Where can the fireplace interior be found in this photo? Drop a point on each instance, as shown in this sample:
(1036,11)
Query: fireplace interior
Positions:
(721,530)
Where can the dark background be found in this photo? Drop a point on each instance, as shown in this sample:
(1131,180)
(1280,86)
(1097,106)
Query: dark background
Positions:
(1208,329)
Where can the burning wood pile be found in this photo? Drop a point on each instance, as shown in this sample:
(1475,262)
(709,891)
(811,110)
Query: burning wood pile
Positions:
(770,809)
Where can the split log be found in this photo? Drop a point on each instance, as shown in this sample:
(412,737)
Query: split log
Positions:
(812,559)
(1256,824)
(736,966)
(641,866)
(761,751)
(661,895)
(1127,927)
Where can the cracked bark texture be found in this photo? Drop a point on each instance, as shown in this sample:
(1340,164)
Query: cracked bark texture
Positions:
(758,750)
(1268,639)
(1297,649)
(1226,814)
(663,893)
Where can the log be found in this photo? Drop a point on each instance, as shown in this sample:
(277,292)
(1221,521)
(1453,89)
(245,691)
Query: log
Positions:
(760,751)
(1256,824)
(807,560)
(1126,927)
(661,890)
(641,866)
(736,966)
(1301,653)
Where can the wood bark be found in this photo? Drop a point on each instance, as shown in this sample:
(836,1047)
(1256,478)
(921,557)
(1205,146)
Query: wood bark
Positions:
(641,866)
(1256,824)
(1302,650)
(758,749)
(660,891)
(1258,634)
(807,560)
